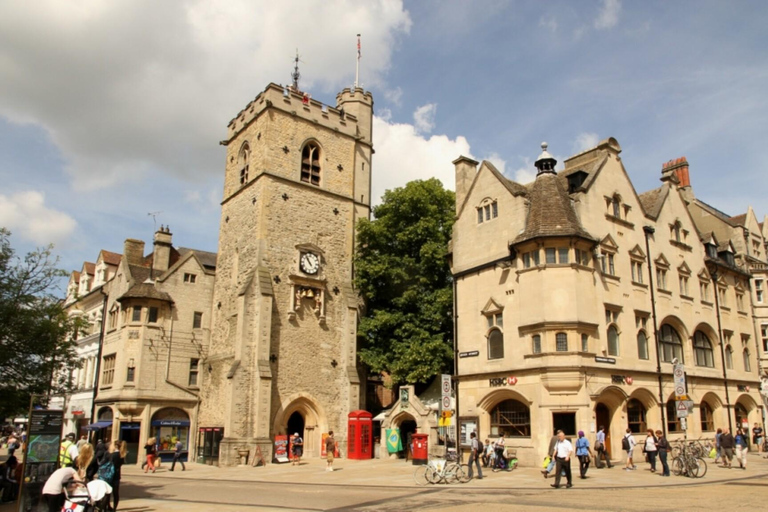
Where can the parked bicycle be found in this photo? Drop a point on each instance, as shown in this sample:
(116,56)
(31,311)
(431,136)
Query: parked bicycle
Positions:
(688,462)
(439,471)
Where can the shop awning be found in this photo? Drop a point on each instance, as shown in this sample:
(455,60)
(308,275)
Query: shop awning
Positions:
(99,425)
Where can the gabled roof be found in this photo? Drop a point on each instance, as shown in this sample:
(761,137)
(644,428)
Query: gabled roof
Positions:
(653,200)
(550,212)
(714,211)
(738,220)
(513,187)
(145,291)
(89,268)
(207,259)
(110,258)
(75,276)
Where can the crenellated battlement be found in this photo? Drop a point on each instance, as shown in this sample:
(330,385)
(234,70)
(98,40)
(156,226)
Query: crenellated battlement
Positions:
(286,99)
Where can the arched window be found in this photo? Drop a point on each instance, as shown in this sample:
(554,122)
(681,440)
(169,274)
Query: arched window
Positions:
(642,345)
(670,344)
(495,344)
(741,414)
(585,342)
(561,342)
(636,415)
(707,418)
(511,418)
(244,160)
(747,364)
(613,341)
(536,340)
(729,357)
(310,163)
(702,350)
(673,422)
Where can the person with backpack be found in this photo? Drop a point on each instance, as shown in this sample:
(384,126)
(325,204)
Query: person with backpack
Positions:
(583,453)
(628,444)
(651,449)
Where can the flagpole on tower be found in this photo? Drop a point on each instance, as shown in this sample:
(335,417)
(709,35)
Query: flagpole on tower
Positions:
(357,63)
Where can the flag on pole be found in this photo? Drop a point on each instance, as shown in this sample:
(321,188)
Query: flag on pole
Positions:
(358,46)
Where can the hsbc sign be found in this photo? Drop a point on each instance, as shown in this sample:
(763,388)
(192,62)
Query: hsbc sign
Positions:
(502,381)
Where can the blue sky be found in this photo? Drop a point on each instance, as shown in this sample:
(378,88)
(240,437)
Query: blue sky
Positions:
(110,110)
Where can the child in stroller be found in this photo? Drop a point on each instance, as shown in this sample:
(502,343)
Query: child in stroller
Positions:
(93,497)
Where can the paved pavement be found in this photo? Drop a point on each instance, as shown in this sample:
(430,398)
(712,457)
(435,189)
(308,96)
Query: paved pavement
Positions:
(386,485)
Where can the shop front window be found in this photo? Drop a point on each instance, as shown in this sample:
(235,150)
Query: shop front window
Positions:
(512,418)
(170,425)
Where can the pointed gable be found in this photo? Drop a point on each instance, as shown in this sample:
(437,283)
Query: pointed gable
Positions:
(514,188)
(609,243)
(637,252)
(491,307)
(653,200)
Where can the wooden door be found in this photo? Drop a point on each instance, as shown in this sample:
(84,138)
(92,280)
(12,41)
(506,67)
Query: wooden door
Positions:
(603,417)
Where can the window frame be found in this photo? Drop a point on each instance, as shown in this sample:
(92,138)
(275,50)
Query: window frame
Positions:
(194,371)
(706,417)
(197,320)
(703,347)
(536,344)
(640,356)
(312,174)
(561,337)
(616,349)
(153,314)
(136,311)
(675,346)
(108,372)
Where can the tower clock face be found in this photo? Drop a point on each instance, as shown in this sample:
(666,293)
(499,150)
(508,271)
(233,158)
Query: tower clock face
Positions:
(309,263)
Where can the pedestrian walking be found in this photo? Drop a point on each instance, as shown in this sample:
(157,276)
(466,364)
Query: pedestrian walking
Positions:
(583,453)
(330,448)
(151,452)
(297,448)
(474,456)
(663,447)
(718,448)
(742,448)
(177,455)
(757,437)
(651,449)
(83,463)
(727,444)
(68,451)
(600,449)
(552,461)
(562,454)
(53,490)
(628,444)
(118,452)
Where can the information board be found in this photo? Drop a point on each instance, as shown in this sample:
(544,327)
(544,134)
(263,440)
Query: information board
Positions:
(41,457)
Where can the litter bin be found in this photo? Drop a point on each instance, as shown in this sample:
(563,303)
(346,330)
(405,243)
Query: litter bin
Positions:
(420,448)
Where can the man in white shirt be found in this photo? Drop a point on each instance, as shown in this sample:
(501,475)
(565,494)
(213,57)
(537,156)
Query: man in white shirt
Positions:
(562,455)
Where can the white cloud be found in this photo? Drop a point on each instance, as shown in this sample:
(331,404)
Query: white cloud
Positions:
(192,196)
(499,163)
(403,155)
(525,173)
(424,117)
(129,87)
(394,96)
(584,141)
(26,215)
(384,114)
(548,23)
(609,14)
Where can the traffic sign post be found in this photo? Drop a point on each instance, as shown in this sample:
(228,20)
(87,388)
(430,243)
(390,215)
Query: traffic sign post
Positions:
(678,371)
(682,409)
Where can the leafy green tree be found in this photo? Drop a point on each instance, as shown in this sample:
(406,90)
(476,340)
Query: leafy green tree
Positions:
(402,272)
(36,341)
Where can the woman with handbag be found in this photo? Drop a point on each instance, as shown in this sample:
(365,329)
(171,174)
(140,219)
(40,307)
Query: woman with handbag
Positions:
(651,449)
(151,452)
(583,453)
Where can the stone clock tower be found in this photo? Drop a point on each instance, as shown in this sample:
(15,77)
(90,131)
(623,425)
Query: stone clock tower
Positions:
(284,319)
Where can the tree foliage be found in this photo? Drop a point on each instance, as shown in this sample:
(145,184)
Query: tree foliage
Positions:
(402,272)
(35,331)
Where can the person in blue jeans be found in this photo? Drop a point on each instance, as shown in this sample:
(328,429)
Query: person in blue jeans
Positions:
(663,446)
(474,456)
(583,453)
(177,456)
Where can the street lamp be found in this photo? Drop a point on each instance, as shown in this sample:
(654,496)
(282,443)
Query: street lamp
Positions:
(649,231)
(712,267)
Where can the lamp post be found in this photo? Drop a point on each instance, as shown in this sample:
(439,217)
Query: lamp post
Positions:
(649,230)
(713,272)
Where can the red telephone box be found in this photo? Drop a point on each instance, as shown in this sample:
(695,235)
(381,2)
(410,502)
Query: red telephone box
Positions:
(360,435)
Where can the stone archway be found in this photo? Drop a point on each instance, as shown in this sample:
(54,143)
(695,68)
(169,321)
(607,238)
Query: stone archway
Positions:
(408,426)
(299,408)
(746,412)
(609,405)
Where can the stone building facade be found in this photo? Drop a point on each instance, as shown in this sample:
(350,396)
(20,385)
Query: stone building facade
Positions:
(157,331)
(283,355)
(560,287)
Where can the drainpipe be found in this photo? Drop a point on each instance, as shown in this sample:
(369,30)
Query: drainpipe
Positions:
(713,273)
(98,356)
(456,366)
(649,230)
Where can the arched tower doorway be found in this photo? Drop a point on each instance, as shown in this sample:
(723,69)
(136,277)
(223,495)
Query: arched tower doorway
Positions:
(295,424)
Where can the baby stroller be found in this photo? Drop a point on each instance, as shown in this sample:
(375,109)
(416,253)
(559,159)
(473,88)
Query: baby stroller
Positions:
(93,497)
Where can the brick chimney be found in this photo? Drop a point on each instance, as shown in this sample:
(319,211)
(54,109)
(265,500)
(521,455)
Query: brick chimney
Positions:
(133,251)
(466,168)
(161,259)
(679,169)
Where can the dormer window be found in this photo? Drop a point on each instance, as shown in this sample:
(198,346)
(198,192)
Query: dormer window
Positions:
(711,250)
(310,164)
(488,209)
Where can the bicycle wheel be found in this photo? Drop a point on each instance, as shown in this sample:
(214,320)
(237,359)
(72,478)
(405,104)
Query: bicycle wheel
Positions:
(465,474)
(702,467)
(678,466)
(433,475)
(420,475)
(453,473)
